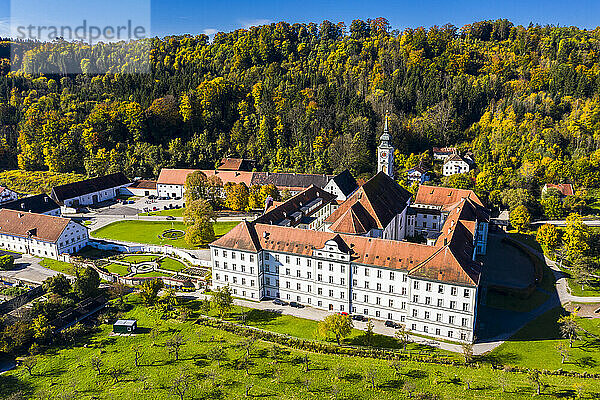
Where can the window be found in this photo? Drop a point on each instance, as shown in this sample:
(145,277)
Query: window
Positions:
(426,314)
(319,277)
(353,296)
(308,262)
(379,273)
(453,305)
(427,300)
(403,291)
(343,269)
(465,322)
(428,287)
(390,303)
(319,265)
(341,295)
(403,306)
(354,282)
(342,281)
(379,286)
(320,291)
(297,260)
(415,313)
(287,271)
(414,327)
(287,259)
(309,275)
(453,291)
(425,329)
(268,281)
(319,303)
(463,336)
(309,288)
(437,332)
(366,311)
(416,285)
(330,267)
(287,285)
(377,314)
(331,293)
(252,257)
(243,281)
(391,276)
(366,298)
(242,256)
(216,264)
(404,277)
(440,288)
(415,299)
(297,286)
(366,284)
(267,257)
(451,319)
(298,273)
(331,279)
(216,252)
(378,300)
(366,271)
(438,317)
(467,293)
(465,306)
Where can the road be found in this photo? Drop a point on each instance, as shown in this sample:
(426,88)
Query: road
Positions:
(28,270)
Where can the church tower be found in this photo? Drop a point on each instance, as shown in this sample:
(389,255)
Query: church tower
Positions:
(385,152)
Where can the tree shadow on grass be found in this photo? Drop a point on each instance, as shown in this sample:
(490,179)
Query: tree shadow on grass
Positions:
(500,358)
(352,377)
(10,385)
(416,374)
(392,384)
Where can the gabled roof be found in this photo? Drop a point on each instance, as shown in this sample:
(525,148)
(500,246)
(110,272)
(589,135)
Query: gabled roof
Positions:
(436,263)
(417,169)
(454,157)
(445,150)
(39,204)
(443,196)
(172,176)
(346,182)
(312,198)
(75,189)
(143,184)
(230,176)
(381,197)
(236,164)
(283,180)
(356,220)
(242,237)
(566,189)
(25,224)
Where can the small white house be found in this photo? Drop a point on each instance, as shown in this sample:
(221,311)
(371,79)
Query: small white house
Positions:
(40,235)
(455,164)
(7,195)
(141,188)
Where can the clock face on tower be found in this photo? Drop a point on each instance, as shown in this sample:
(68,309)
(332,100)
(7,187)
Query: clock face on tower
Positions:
(383,154)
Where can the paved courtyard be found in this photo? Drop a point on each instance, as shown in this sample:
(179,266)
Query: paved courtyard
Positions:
(27,269)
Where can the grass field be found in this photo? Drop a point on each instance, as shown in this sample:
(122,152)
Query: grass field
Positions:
(175,212)
(59,266)
(152,274)
(117,269)
(534,346)
(172,264)
(68,372)
(147,232)
(139,258)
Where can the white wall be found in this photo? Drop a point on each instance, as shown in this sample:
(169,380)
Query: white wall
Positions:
(170,190)
(88,199)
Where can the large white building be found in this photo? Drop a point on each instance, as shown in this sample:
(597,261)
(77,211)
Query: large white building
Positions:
(357,260)
(38,204)
(430,289)
(39,234)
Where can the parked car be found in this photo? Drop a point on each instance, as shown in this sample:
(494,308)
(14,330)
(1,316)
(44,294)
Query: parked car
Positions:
(152,197)
(177,198)
(279,302)
(170,218)
(359,317)
(391,324)
(343,313)
(296,305)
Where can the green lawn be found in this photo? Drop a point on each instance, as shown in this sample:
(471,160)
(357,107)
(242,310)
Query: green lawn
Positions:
(592,288)
(135,259)
(152,274)
(175,212)
(68,372)
(172,264)
(534,346)
(60,266)
(147,232)
(117,269)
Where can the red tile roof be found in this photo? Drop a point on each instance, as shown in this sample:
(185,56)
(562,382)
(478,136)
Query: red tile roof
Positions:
(381,198)
(231,176)
(170,176)
(236,164)
(443,196)
(143,184)
(438,263)
(25,224)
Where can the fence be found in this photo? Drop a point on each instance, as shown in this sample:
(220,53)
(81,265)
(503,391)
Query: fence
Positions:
(21,300)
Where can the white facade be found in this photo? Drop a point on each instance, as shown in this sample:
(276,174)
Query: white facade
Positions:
(170,190)
(455,167)
(73,238)
(328,280)
(7,195)
(94,197)
(385,153)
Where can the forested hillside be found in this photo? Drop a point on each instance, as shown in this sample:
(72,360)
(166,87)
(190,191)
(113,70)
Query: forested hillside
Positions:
(311,98)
